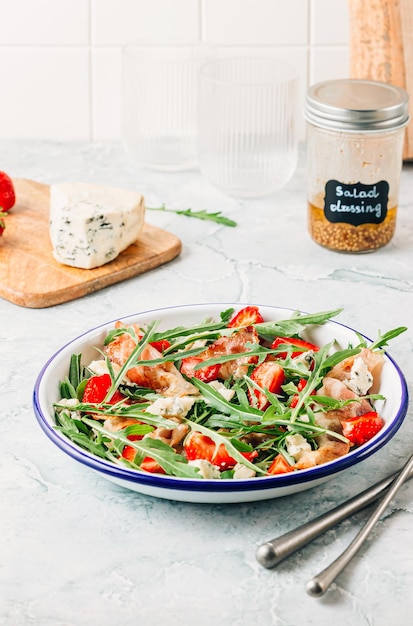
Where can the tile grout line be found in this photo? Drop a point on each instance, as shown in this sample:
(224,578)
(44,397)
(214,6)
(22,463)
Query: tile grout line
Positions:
(201,20)
(309,43)
(91,76)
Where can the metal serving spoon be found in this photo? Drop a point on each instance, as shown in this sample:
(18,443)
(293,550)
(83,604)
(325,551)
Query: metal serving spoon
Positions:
(272,552)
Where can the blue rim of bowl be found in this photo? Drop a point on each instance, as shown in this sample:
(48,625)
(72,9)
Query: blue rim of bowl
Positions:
(224,485)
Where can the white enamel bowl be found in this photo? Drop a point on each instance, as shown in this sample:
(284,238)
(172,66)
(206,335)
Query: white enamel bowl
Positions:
(46,392)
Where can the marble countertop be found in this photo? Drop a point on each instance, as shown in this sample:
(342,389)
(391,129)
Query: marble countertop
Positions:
(77,550)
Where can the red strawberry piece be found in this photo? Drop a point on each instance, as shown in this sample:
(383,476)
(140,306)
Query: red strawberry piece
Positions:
(362,428)
(246,317)
(7,193)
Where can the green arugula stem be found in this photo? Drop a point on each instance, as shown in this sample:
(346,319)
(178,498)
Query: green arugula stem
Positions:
(200,215)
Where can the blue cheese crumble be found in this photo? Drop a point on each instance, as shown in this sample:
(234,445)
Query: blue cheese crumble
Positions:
(361,378)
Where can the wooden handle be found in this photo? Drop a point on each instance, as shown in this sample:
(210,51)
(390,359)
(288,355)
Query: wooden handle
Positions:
(376,46)
(381,47)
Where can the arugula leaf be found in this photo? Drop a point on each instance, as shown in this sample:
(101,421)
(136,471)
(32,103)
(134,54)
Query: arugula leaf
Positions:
(76,431)
(218,439)
(67,390)
(293,325)
(314,379)
(206,327)
(173,463)
(218,402)
(308,428)
(75,370)
(337,357)
(201,215)
(70,384)
(117,332)
(132,411)
(383,340)
(132,359)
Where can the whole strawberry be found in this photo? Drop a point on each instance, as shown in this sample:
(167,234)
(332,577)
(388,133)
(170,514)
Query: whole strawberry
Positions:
(2,226)
(7,193)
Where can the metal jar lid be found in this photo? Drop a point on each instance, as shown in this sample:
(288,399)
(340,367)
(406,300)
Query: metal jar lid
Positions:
(355,105)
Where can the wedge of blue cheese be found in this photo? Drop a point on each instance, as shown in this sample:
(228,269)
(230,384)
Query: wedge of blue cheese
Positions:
(91,225)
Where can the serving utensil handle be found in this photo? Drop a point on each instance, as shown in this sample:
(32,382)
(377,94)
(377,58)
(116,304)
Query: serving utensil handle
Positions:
(318,585)
(271,553)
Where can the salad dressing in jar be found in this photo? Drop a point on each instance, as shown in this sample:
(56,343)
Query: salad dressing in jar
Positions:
(354,160)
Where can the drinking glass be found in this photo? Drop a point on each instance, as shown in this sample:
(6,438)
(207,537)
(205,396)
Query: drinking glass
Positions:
(160,91)
(248,136)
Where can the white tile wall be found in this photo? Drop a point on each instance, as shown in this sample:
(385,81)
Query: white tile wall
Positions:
(47,94)
(255,22)
(115,22)
(44,23)
(60,60)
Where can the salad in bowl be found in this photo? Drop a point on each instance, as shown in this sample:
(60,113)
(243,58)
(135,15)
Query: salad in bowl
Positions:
(237,399)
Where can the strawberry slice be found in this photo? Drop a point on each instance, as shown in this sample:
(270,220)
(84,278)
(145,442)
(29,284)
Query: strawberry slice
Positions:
(206,374)
(269,375)
(246,317)
(97,388)
(362,428)
(129,452)
(199,446)
(300,386)
(280,466)
(148,464)
(161,345)
(292,341)
(7,193)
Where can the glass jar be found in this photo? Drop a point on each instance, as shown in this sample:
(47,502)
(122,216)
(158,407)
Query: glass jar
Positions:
(354,161)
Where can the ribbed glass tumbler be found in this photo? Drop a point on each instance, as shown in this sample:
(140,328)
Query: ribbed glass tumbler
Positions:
(248,116)
(160,91)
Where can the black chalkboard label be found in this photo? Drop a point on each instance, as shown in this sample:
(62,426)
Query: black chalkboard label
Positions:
(357,203)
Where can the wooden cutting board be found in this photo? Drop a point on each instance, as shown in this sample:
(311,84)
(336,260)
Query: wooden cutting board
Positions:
(381,48)
(29,275)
